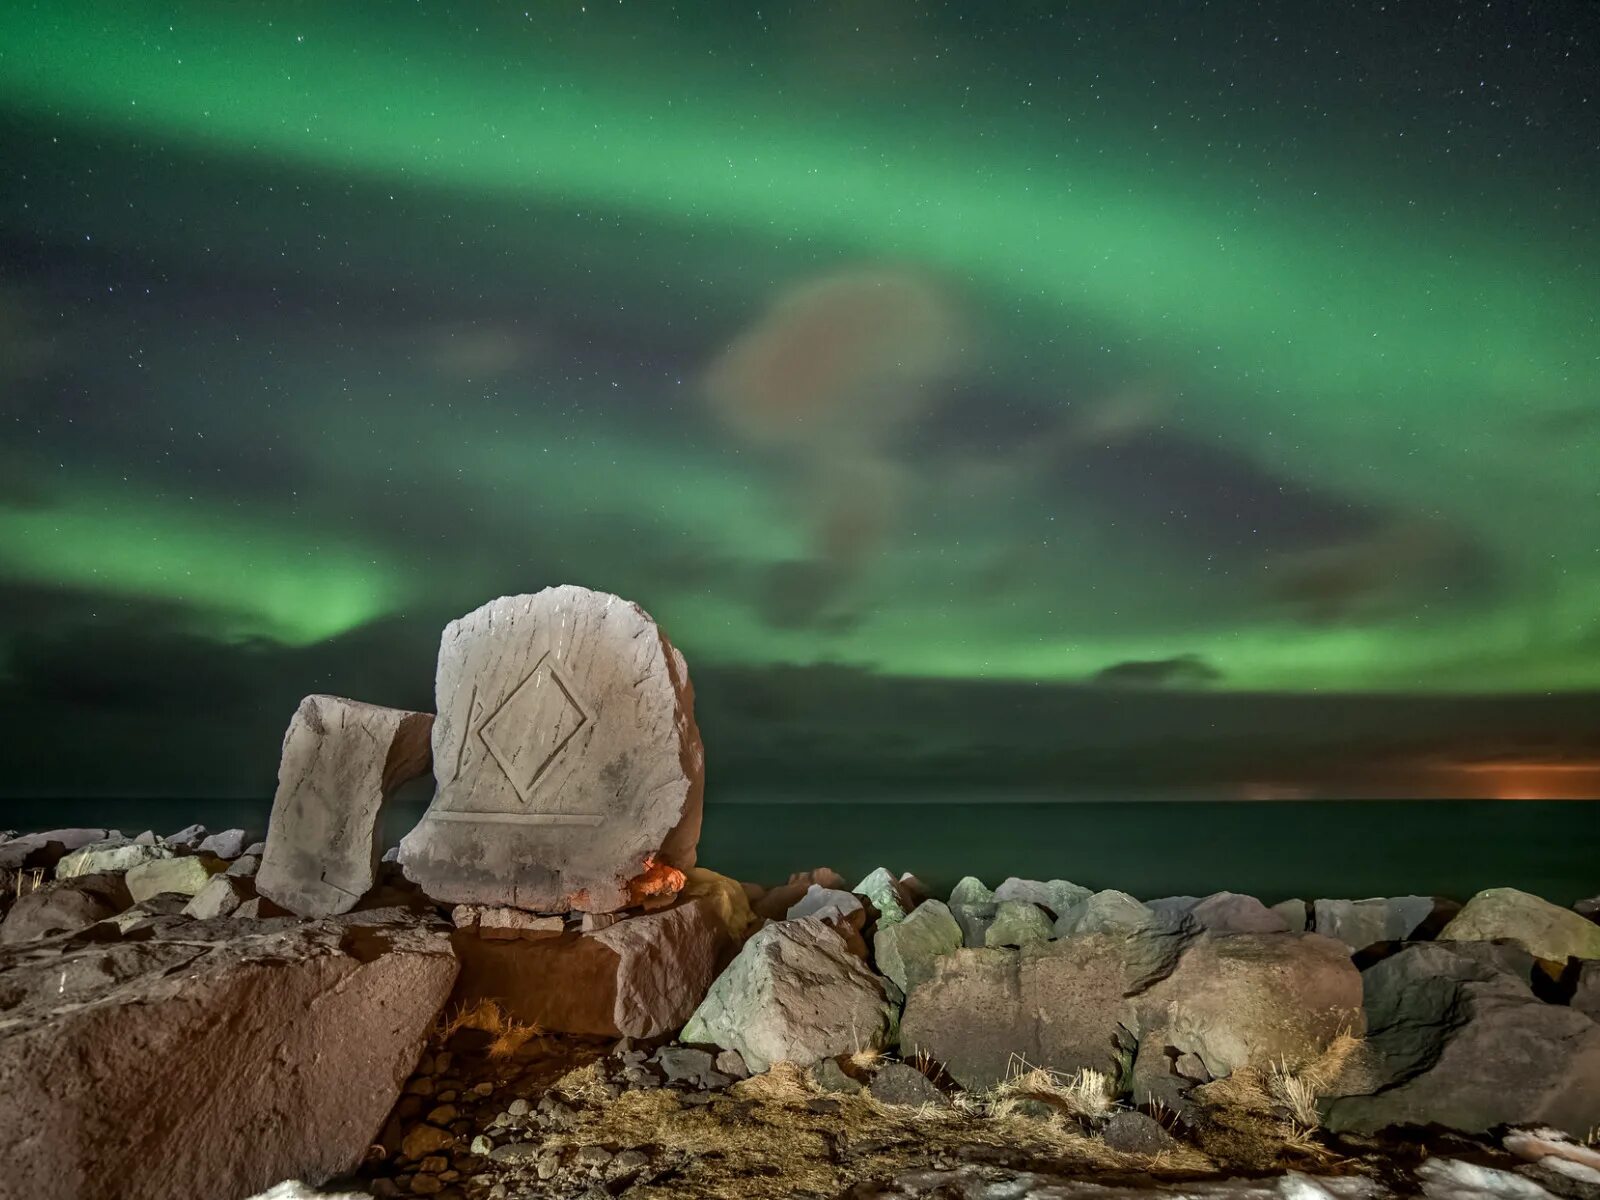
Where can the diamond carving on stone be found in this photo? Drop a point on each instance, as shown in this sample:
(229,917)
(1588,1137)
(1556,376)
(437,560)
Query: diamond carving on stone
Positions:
(533,725)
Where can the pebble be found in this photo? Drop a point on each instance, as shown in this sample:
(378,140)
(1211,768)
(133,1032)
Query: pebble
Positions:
(434,1164)
(442,1115)
(420,1087)
(518,1107)
(547,1166)
(483,1089)
(482,1145)
(441,1062)
(630,1160)
(426,1185)
(823,1107)
(447,1097)
(593,1156)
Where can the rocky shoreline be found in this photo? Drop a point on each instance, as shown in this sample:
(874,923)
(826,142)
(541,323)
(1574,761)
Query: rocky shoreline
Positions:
(541,993)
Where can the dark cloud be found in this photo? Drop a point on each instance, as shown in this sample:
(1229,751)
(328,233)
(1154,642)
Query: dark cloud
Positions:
(1183,671)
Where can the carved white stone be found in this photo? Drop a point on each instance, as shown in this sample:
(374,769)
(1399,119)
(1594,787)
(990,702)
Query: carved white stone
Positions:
(567,757)
(342,760)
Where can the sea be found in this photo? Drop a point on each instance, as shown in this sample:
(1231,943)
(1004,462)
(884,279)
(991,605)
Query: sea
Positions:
(1146,845)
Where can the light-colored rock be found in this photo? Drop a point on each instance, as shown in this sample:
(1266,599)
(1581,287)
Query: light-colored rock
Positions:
(824,902)
(1294,913)
(795,993)
(906,951)
(183,876)
(640,977)
(1362,923)
(97,858)
(1543,929)
(1057,895)
(499,922)
(1017,923)
(1457,1039)
(280,1054)
(187,838)
(970,889)
(220,897)
(65,906)
(230,843)
(342,761)
(890,898)
(594,922)
(569,765)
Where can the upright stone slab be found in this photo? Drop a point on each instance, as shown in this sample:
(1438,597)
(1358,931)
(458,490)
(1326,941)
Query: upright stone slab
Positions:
(569,764)
(342,760)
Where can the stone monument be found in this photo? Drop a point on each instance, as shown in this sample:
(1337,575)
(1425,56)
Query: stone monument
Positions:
(568,763)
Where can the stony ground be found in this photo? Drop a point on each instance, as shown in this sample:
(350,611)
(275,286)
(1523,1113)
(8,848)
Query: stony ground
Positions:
(496,1113)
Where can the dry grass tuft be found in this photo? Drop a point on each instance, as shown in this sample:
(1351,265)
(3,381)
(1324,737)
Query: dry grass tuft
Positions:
(866,1060)
(1088,1093)
(508,1035)
(782,1083)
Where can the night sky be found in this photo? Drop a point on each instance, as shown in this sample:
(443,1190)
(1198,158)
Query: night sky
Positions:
(1034,395)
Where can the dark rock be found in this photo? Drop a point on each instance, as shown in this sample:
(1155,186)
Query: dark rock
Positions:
(682,1063)
(1136,1133)
(1458,1042)
(1055,895)
(1230,912)
(900,1083)
(1362,923)
(822,1106)
(65,906)
(731,1063)
(1586,988)
(829,1076)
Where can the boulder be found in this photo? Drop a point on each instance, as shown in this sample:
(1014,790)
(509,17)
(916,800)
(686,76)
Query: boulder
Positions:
(342,761)
(640,977)
(1456,1040)
(974,921)
(98,858)
(47,849)
(1362,923)
(182,876)
(774,904)
(220,897)
(1017,923)
(727,898)
(1586,988)
(230,843)
(1153,939)
(187,838)
(569,767)
(1057,895)
(1054,1004)
(906,951)
(795,993)
(246,865)
(1230,912)
(1543,929)
(970,890)
(65,906)
(1097,1000)
(819,901)
(1251,999)
(901,1084)
(212,1063)
(891,898)
(1295,914)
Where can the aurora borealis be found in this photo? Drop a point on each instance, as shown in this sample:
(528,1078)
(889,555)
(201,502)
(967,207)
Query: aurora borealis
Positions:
(1224,376)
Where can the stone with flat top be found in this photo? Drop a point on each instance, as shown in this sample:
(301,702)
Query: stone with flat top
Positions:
(568,762)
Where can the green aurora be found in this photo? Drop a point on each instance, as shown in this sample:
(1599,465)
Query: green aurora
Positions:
(405,309)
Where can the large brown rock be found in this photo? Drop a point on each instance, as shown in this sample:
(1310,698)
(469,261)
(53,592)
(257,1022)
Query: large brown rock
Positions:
(795,993)
(342,761)
(569,765)
(65,907)
(1093,1000)
(1457,1038)
(212,1062)
(640,977)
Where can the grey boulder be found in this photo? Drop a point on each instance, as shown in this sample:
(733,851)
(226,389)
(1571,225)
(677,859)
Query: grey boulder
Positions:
(906,951)
(100,857)
(230,843)
(1455,1039)
(824,902)
(795,993)
(342,760)
(1057,895)
(1017,923)
(1362,923)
